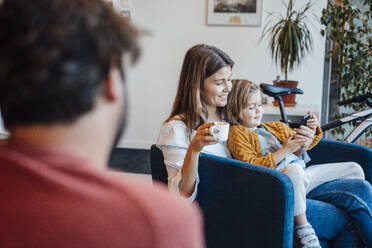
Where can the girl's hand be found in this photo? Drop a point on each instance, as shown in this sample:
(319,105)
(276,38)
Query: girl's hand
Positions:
(294,143)
(307,133)
(203,137)
(312,122)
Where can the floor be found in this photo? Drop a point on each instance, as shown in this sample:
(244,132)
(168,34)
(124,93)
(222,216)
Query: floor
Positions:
(146,178)
(133,162)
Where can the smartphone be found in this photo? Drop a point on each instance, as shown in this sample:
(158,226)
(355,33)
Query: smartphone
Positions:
(304,120)
(302,123)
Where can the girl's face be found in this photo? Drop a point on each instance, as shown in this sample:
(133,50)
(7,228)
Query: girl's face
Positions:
(217,87)
(252,114)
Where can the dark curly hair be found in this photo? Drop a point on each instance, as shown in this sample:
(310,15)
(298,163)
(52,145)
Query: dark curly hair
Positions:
(54,56)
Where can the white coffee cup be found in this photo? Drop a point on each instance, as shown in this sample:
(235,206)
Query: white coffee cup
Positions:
(223,130)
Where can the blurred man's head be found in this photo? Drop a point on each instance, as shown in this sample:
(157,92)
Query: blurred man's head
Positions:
(56,56)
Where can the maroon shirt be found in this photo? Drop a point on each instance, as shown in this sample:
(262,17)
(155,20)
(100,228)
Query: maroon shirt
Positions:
(53,199)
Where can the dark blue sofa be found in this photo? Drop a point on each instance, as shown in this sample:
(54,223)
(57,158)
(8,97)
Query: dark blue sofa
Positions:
(246,205)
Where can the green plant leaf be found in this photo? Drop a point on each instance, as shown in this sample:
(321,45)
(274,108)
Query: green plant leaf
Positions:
(289,37)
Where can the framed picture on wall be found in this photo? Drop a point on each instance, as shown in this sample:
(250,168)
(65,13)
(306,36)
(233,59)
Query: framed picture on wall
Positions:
(235,12)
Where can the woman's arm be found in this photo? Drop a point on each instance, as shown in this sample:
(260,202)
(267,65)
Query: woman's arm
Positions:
(181,155)
(189,171)
(189,168)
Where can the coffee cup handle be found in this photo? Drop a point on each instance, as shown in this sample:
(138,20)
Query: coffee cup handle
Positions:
(211,131)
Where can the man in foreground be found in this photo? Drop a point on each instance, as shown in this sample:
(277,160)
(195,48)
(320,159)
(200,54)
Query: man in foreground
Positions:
(62,97)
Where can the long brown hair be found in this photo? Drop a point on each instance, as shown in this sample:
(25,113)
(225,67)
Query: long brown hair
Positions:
(238,100)
(200,62)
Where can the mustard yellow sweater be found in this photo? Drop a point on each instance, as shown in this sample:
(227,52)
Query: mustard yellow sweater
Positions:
(244,144)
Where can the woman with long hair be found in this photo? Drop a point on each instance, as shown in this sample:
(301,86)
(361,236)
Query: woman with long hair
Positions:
(203,88)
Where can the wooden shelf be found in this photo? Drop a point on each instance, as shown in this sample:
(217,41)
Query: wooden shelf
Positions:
(272,113)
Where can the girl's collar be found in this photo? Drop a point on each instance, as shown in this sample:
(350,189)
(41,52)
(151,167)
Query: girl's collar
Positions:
(254,128)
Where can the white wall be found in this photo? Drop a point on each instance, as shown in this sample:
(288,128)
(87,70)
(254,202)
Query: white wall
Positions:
(175,26)
(2,130)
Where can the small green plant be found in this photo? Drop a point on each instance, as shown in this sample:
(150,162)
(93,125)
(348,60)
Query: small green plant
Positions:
(348,28)
(289,35)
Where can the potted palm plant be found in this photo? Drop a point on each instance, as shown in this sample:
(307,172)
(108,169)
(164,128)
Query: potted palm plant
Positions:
(289,42)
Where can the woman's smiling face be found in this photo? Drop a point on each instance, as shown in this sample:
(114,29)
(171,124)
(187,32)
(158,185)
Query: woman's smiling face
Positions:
(216,88)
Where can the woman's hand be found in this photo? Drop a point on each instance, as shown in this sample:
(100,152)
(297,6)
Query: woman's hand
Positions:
(203,137)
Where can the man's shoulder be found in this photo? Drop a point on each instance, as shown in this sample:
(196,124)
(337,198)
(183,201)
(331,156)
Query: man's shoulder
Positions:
(43,171)
(165,213)
(151,202)
(158,197)
(94,201)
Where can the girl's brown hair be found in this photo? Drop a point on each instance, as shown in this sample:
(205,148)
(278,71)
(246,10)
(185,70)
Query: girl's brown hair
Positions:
(238,100)
(200,62)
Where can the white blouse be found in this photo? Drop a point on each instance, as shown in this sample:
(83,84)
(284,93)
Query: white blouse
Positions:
(174,139)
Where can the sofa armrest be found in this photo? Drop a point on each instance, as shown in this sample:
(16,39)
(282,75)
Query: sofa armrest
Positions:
(244,205)
(330,151)
(158,170)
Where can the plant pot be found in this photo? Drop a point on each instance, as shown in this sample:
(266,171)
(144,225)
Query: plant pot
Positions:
(290,99)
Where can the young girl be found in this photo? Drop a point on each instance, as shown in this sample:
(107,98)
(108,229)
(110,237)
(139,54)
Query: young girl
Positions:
(276,146)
